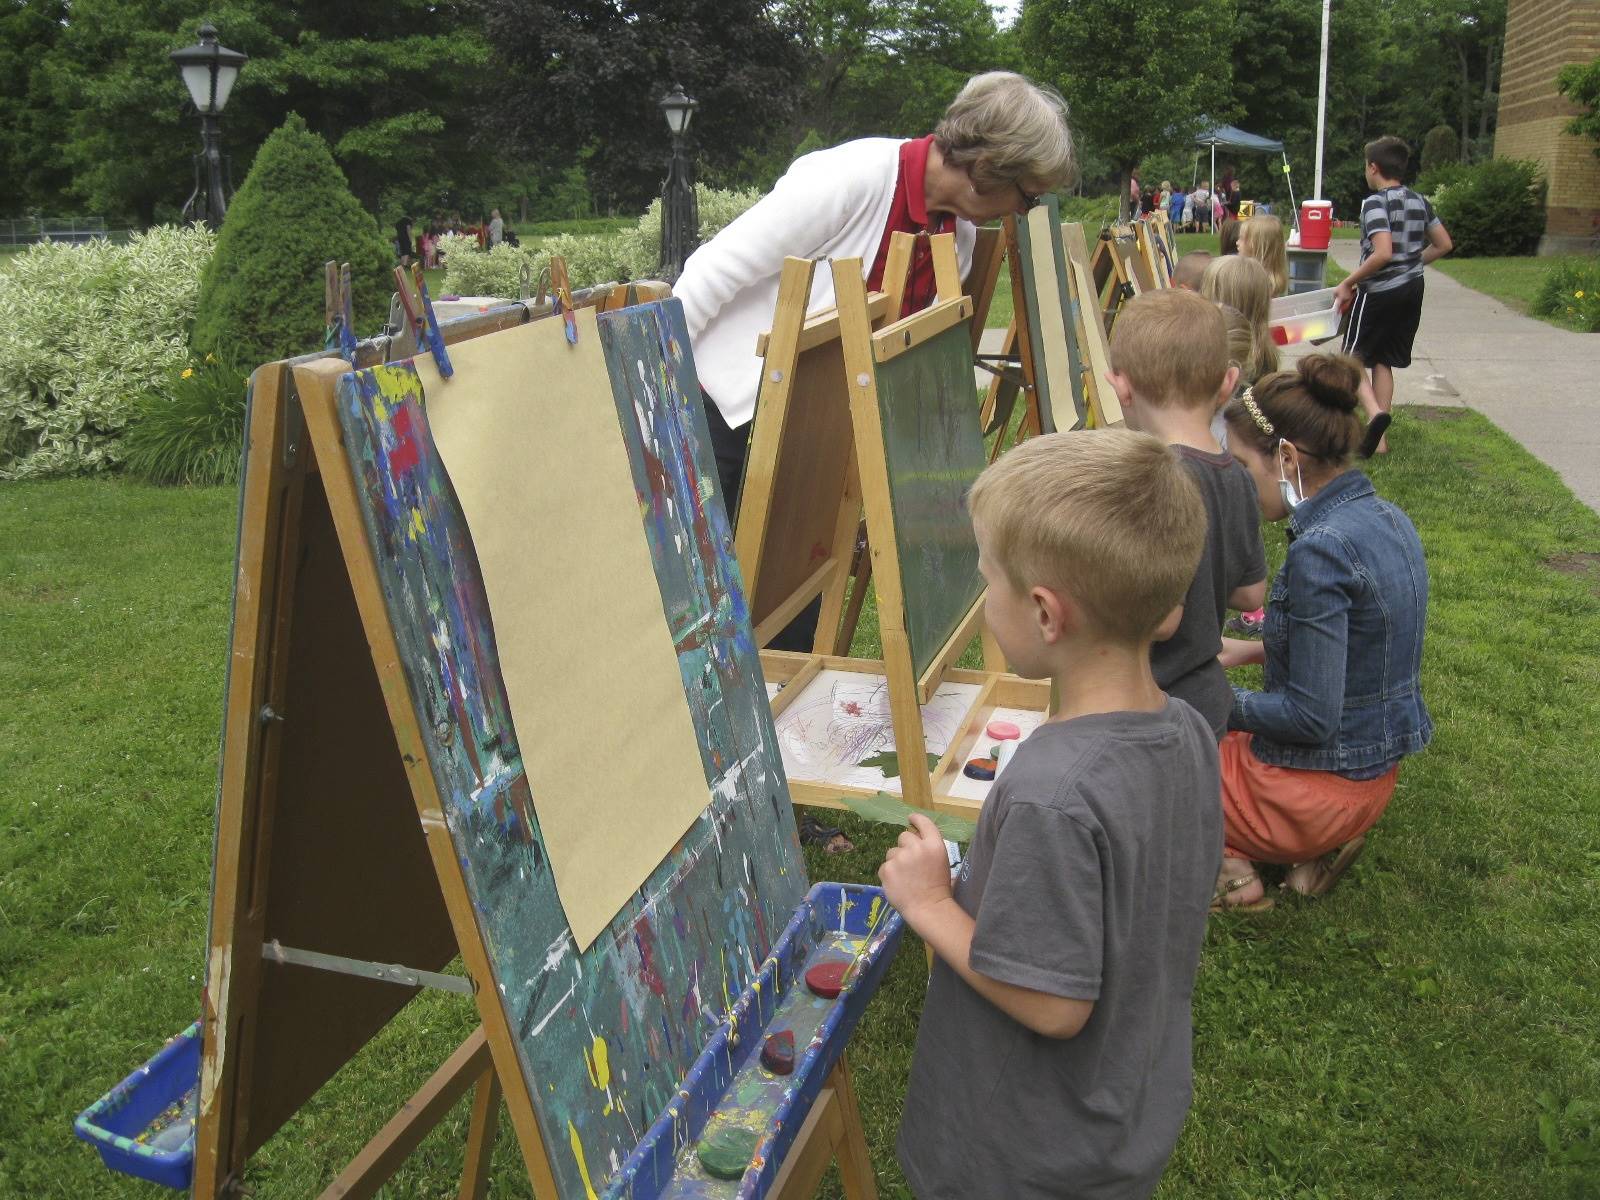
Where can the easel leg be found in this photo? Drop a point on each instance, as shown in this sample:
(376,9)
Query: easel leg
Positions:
(480,1136)
(852,1155)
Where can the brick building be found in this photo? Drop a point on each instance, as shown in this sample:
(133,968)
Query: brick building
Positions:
(1542,36)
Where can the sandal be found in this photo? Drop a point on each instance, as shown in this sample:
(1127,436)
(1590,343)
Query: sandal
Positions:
(814,833)
(1219,898)
(1376,428)
(1324,872)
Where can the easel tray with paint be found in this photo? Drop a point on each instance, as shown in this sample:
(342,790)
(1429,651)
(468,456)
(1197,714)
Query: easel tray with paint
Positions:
(732,1103)
(144,1126)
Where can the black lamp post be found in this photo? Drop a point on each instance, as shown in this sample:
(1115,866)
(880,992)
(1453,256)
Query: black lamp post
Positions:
(680,212)
(208,71)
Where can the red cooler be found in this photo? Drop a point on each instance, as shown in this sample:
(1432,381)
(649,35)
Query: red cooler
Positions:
(1316,224)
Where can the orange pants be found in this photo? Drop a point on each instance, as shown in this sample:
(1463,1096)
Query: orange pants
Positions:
(1284,815)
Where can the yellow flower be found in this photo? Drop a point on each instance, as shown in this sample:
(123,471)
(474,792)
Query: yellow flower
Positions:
(1577,295)
(187,371)
(213,357)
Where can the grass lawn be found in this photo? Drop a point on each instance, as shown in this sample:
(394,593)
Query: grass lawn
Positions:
(1512,281)
(1427,1030)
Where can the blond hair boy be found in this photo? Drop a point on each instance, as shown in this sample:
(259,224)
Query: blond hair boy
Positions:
(1066,951)
(1170,369)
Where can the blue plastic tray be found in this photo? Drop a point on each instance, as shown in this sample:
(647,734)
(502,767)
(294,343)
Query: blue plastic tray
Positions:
(144,1126)
(830,911)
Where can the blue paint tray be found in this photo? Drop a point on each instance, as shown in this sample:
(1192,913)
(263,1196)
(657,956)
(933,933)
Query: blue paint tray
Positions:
(144,1126)
(727,1084)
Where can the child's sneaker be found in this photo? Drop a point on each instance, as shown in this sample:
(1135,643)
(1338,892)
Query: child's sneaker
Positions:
(1247,624)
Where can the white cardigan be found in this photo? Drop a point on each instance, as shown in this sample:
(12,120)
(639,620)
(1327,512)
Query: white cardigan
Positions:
(830,204)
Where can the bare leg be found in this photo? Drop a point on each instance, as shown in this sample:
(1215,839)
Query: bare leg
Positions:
(1383,395)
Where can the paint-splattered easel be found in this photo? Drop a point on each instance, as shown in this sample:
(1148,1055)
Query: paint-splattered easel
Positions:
(363,669)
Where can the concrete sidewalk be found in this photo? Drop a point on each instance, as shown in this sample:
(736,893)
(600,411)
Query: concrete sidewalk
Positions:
(1538,383)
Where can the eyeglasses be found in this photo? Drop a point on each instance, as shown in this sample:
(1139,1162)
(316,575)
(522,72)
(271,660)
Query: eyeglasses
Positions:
(1029,201)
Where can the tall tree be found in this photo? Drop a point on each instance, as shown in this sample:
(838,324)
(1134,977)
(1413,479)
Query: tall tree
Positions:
(31,128)
(388,84)
(588,74)
(1133,71)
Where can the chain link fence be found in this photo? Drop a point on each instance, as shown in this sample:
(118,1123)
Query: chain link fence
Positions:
(26,231)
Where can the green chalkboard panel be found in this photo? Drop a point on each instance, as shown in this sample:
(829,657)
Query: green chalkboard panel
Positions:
(1057,363)
(934,451)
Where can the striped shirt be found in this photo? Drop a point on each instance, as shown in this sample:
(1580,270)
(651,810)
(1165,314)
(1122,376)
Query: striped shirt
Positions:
(1406,217)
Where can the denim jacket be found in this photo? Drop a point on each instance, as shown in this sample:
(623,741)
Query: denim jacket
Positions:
(1343,639)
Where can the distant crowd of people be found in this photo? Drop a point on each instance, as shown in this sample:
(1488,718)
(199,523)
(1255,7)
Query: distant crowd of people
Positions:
(1200,210)
(423,246)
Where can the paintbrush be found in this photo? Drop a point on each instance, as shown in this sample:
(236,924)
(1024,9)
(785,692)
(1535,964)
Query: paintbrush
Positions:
(866,941)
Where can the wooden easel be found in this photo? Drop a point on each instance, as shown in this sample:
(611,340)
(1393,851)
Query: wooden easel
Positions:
(1153,252)
(335,900)
(1116,271)
(1104,407)
(853,346)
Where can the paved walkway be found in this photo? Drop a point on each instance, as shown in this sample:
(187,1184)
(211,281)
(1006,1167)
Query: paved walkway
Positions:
(1539,383)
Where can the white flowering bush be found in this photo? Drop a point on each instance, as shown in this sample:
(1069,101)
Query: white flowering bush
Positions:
(591,258)
(85,330)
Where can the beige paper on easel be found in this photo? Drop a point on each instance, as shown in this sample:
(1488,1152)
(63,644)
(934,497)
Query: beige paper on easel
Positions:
(527,429)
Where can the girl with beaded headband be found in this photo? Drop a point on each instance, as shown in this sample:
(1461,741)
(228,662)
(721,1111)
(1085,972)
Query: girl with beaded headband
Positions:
(1311,759)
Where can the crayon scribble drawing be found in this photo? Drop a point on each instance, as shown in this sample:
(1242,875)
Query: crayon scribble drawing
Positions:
(840,723)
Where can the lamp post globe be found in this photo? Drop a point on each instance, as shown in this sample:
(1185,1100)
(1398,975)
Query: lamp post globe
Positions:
(680,211)
(209,70)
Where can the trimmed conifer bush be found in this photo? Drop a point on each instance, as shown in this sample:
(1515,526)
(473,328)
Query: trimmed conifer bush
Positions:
(1494,207)
(261,297)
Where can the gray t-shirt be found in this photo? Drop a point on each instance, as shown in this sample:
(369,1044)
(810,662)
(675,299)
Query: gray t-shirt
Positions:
(1186,665)
(1089,877)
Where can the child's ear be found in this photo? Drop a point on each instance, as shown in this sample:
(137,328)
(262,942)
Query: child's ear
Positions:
(1054,613)
(1122,386)
(1229,382)
(1169,626)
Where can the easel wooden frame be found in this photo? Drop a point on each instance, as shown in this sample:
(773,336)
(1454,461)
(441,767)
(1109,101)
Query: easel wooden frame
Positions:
(864,346)
(1104,407)
(1114,269)
(320,738)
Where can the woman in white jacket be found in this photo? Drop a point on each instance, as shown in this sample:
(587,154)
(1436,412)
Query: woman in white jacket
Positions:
(1001,142)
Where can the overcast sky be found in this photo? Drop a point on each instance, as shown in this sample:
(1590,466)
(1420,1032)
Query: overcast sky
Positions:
(1005,11)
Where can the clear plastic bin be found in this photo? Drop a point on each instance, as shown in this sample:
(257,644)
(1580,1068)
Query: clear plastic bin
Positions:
(1307,317)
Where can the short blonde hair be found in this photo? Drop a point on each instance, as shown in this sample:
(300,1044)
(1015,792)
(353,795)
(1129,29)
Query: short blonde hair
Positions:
(1241,340)
(1261,238)
(1189,270)
(1173,347)
(1004,130)
(1241,282)
(1109,517)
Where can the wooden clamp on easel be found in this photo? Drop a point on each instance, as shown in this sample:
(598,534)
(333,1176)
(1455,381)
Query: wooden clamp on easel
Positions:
(377,822)
(857,414)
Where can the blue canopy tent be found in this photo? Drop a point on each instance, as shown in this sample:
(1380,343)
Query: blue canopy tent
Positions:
(1213,134)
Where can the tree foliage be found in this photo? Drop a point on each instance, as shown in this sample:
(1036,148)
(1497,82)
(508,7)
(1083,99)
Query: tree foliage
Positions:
(390,85)
(1133,71)
(261,296)
(588,76)
(1580,83)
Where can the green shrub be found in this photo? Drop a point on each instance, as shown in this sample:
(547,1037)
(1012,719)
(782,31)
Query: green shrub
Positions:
(87,329)
(1093,211)
(1494,207)
(630,253)
(1580,83)
(261,297)
(1571,289)
(190,430)
(1434,179)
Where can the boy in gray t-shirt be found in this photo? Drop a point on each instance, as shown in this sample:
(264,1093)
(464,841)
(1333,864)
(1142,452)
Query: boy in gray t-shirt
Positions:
(1053,1058)
(1170,370)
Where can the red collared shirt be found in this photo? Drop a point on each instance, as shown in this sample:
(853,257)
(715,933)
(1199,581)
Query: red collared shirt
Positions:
(908,213)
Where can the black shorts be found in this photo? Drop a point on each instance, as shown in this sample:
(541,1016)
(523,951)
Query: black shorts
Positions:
(1383,325)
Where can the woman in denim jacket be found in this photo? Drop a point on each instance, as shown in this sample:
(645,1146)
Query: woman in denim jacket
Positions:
(1312,758)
